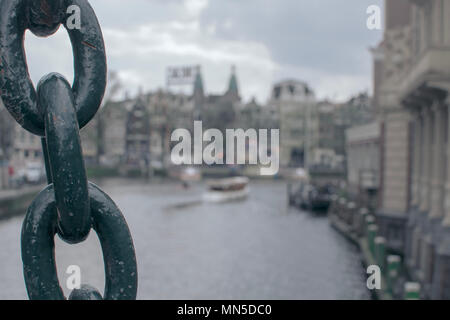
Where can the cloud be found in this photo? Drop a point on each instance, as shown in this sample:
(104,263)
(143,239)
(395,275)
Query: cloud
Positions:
(156,46)
(195,7)
(323,42)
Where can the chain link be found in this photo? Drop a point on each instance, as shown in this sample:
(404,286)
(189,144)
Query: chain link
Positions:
(69,205)
(43,17)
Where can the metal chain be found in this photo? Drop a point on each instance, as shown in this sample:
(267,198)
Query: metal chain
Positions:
(70,205)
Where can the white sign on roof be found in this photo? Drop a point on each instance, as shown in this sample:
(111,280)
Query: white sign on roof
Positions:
(182,75)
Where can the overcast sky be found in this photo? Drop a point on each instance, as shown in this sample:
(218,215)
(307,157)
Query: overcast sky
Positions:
(322,42)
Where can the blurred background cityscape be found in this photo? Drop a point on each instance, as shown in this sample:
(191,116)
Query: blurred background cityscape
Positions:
(364,144)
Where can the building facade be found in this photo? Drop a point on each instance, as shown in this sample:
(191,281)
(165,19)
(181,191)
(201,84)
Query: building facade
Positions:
(298,121)
(114,139)
(395,124)
(330,149)
(412,85)
(19,149)
(363,162)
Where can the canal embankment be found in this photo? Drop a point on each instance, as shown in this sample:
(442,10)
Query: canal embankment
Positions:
(359,226)
(16,201)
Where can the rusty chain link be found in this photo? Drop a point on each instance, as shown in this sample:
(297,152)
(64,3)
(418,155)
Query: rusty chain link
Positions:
(70,205)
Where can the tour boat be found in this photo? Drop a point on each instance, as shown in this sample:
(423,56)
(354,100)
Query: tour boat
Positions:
(228,189)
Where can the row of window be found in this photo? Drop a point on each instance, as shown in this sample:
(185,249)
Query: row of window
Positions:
(28,153)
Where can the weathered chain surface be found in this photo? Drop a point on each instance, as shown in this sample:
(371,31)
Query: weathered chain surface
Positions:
(70,205)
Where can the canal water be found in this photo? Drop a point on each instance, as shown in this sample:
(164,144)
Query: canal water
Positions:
(186,249)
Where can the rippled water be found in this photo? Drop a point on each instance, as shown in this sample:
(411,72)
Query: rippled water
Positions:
(255,249)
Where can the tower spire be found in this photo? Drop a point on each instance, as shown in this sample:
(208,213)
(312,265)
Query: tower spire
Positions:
(198,95)
(198,84)
(233,89)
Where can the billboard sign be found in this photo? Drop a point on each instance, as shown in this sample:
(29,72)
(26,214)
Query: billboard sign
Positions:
(182,75)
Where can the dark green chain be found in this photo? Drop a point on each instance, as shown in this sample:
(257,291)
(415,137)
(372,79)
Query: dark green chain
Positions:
(70,205)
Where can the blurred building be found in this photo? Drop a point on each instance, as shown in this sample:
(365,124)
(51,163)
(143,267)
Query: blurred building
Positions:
(27,149)
(19,149)
(391,58)
(7,134)
(168,111)
(137,138)
(90,144)
(257,116)
(411,83)
(221,111)
(330,149)
(112,131)
(312,133)
(298,121)
(104,137)
(356,132)
(358,110)
(114,137)
(363,161)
